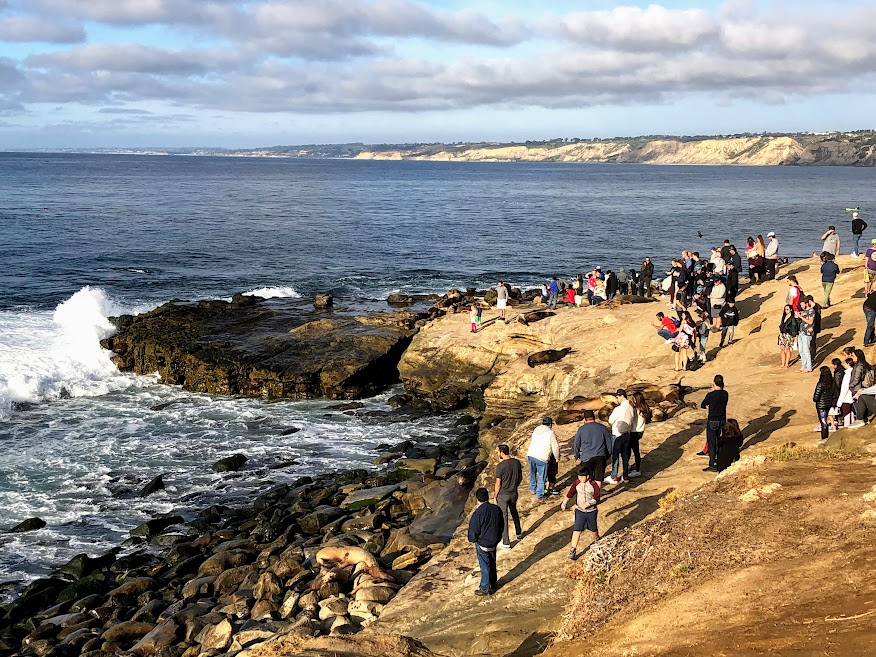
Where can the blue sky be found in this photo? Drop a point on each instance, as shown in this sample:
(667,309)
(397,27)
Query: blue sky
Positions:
(113,73)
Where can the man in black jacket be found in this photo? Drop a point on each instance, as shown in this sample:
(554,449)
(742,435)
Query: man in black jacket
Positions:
(646,273)
(485,531)
(858,228)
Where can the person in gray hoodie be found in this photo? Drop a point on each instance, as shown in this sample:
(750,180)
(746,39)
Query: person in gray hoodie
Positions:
(542,444)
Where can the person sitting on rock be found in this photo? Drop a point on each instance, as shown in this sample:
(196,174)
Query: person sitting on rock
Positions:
(586,494)
(485,531)
(542,444)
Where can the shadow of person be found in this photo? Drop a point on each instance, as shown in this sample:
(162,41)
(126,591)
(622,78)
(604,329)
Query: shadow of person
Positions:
(751,305)
(535,644)
(638,510)
(830,321)
(761,428)
(667,453)
(834,345)
(544,547)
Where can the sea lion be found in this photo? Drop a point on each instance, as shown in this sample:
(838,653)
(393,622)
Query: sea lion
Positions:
(534,316)
(547,356)
(566,416)
(360,559)
(583,404)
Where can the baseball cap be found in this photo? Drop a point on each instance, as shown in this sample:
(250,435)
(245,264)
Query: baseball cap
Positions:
(621,392)
(771,234)
(547,421)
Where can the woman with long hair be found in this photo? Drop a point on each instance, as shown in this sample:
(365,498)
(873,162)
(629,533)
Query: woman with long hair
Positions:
(859,371)
(729,444)
(825,396)
(842,377)
(640,419)
(681,342)
(788,329)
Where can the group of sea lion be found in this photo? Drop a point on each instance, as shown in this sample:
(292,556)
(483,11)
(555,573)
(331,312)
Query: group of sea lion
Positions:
(370,582)
(665,402)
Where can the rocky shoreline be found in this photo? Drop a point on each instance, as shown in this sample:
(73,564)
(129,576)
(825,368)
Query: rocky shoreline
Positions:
(232,579)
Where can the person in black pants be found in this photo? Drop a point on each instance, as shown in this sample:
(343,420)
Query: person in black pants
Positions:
(509,473)
(825,397)
(716,402)
(485,530)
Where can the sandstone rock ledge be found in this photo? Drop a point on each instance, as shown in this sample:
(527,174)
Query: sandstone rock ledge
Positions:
(277,348)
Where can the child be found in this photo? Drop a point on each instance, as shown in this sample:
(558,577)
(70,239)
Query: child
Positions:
(475,316)
(480,313)
(703,329)
(586,494)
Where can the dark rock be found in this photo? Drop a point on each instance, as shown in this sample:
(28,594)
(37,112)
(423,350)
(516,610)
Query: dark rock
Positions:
(29,525)
(347,406)
(248,349)
(321,301)
(312,523)
(155,526)
(153,486)
(82,565)
(90,585)
(126,632)
(231,463)
(289,431)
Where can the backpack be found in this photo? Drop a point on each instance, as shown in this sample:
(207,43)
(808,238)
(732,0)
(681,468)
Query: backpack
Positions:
(869,377)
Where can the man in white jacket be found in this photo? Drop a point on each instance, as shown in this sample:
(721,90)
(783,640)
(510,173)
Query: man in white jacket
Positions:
(542,444)
(771,255)
(621,421)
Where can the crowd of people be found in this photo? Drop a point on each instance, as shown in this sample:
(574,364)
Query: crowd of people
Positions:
(701,294)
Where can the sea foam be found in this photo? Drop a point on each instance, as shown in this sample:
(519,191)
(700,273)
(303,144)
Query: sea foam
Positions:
(274,293)
(47,355)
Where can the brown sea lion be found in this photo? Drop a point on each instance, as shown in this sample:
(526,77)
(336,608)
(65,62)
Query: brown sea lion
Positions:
(583,404)
(548,356)
(359,558)
(534,316)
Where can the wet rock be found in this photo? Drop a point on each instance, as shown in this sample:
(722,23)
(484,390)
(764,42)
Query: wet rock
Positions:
(126,632)
(363,498)
(230,463)
(215,637)
(29,525)
(348,406)
(150,612)
(87,603)
(267,587)
(82,565)
(155,526)
(90,585)
(289,605)
(289,431)
(153,486)
(264,610)
(198,587)
(128,592)
(161,637)
(230,580)
(312,523)
(322,300)
(222,561)
(425,465)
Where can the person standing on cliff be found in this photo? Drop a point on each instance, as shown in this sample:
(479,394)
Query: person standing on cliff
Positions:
(771,255)
(621,421)
(646,273)
(509,474)
(553,293)
(501,299)
(622,281)
(485,531)
(542,445)
(716,403)
(592,445)
(830,242)
(858,228)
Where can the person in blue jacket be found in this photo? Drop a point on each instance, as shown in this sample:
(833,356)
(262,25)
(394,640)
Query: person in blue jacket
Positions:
(485,531)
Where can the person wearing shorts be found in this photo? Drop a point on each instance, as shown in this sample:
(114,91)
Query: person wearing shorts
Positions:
(501,299)
(586,494)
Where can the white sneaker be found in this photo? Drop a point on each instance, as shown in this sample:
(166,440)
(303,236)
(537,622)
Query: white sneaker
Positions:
(856,424)
(635,473)
(610,480)
(504,546)
(669,341)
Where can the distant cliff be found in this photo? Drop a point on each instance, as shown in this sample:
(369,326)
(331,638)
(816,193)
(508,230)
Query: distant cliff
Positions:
(846,149)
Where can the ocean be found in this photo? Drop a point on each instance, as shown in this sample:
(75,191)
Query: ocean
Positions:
(86,237)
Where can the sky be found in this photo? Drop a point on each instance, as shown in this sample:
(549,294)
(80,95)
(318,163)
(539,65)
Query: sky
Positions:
(249,73)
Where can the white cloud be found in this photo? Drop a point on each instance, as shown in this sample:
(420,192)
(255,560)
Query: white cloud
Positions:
(32,28)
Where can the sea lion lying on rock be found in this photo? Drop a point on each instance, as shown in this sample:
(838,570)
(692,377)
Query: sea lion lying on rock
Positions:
(360,559)
(548,356)
(534,316)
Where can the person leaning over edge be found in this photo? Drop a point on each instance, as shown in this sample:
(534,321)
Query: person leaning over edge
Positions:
(485,531)
(716,402)
(593,443)
(509,474)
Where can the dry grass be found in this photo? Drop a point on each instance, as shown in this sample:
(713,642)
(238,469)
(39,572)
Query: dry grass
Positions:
(795,452)
(667,501)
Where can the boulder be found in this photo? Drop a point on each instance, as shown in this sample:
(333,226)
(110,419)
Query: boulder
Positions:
(278,348)
(426,466)
(222,561)
(231,463)
(161,637)
(153,486)
(312,523)
(215,637)
(267,587)
(155,526)
(322,300)
(363,498)
(29,525)
(82,565)
(126,632)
